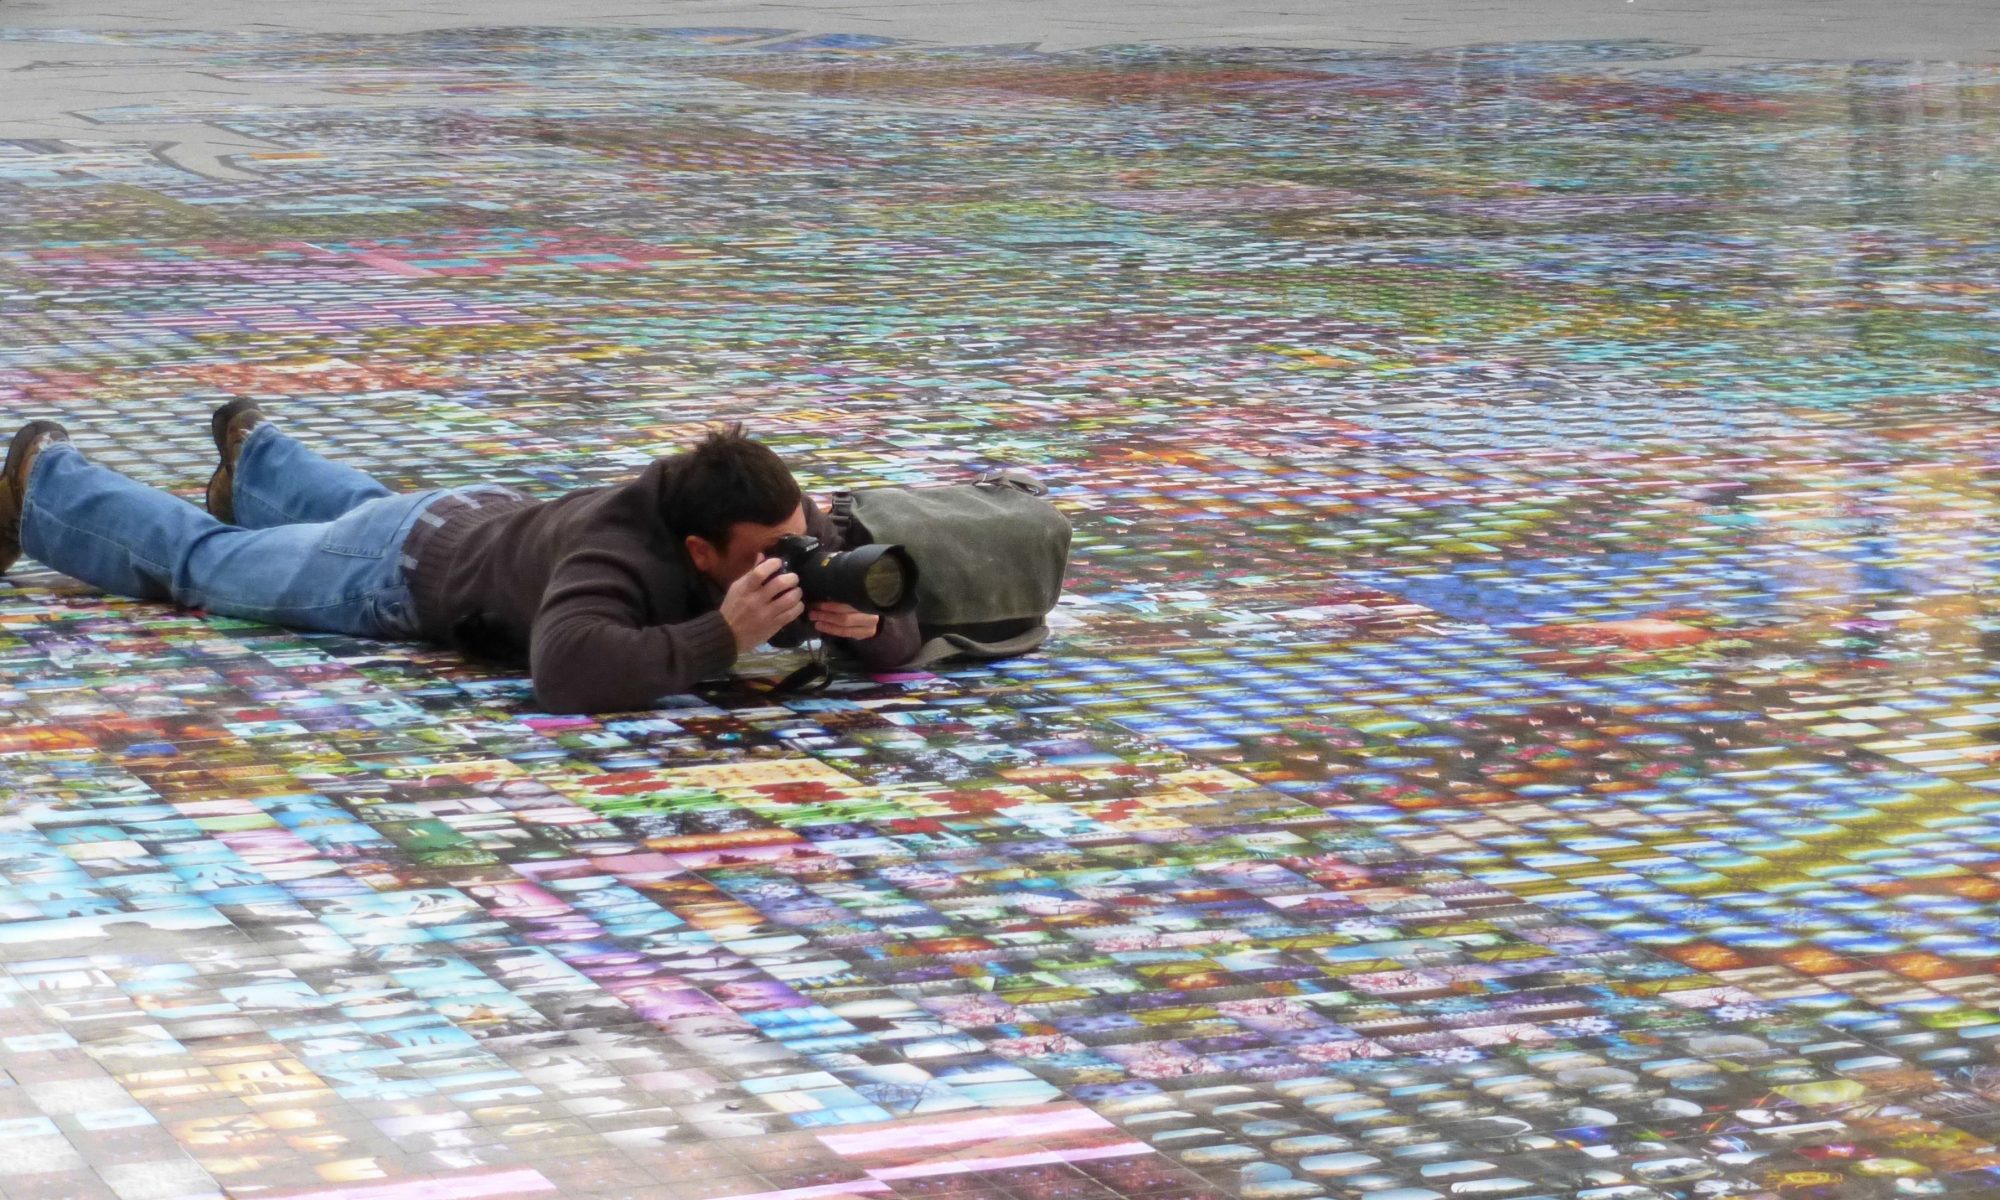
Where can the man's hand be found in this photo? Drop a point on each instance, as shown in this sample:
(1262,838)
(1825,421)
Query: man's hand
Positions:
(844,621)
(761,603)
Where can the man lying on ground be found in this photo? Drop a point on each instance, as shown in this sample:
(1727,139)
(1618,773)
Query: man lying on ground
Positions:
(615,596)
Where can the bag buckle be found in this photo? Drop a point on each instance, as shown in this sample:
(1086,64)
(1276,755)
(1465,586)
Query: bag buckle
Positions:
(1014,477)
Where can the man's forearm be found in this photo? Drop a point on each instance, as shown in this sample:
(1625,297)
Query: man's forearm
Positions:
(589,664)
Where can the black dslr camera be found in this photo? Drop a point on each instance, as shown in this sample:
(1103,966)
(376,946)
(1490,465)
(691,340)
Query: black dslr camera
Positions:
(875,579)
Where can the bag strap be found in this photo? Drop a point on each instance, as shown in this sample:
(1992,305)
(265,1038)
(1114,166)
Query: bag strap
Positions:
(841,513)
(940,648)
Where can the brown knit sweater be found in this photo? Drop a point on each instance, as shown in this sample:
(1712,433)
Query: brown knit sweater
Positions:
(597,594)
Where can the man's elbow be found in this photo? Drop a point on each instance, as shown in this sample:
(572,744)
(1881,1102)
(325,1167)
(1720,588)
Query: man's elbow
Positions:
(563,680)
(562,692)
(564,685)
(587,667)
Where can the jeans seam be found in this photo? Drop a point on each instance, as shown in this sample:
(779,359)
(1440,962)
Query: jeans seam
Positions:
(235,485)
(290,518)
(236,478)
(159,569)
(45,515)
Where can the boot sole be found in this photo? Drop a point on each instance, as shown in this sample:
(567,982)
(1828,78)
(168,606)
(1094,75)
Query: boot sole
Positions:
(27,433)
(218,424)
(10,531)
(221,504)
(12,494)
(221,485)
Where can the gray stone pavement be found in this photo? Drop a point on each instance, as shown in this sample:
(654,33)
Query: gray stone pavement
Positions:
(1956,30)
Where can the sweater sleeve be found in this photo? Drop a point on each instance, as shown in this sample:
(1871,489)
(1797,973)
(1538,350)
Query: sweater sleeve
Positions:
(895,643)
(590,652)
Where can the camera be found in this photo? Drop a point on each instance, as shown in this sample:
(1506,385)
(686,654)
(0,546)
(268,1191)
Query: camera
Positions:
(878,579)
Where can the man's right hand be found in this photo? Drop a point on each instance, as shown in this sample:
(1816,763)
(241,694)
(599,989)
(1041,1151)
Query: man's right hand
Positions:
(763,601)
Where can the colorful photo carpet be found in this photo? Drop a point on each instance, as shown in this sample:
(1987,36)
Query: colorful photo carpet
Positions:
(1524,722)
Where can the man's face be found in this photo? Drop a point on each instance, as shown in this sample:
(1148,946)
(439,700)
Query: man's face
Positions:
(748,544)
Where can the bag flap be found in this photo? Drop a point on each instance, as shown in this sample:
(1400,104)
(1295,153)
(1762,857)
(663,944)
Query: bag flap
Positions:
(984,552)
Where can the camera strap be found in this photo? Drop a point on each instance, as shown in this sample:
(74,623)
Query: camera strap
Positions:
(814,676)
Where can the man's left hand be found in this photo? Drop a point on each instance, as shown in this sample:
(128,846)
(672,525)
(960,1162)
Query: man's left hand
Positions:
(843,621)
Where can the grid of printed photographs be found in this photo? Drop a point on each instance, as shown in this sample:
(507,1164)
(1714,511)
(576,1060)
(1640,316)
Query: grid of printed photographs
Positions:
(1524,722)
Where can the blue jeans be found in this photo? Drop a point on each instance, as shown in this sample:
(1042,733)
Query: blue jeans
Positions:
(319,545)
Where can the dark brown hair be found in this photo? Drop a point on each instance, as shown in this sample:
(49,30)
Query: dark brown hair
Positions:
(724,479)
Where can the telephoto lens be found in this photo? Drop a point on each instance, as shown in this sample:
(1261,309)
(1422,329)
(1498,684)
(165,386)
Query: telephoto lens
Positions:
(875,579)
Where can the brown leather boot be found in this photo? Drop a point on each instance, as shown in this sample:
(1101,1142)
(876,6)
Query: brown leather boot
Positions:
(231,425)
(21,454)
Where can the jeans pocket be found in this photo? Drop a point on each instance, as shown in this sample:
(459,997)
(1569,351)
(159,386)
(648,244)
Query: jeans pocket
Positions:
(368,531)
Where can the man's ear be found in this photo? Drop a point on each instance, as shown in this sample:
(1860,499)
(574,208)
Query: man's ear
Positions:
(703,554)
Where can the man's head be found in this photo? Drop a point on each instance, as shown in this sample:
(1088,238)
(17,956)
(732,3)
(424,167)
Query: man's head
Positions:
(729,499)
